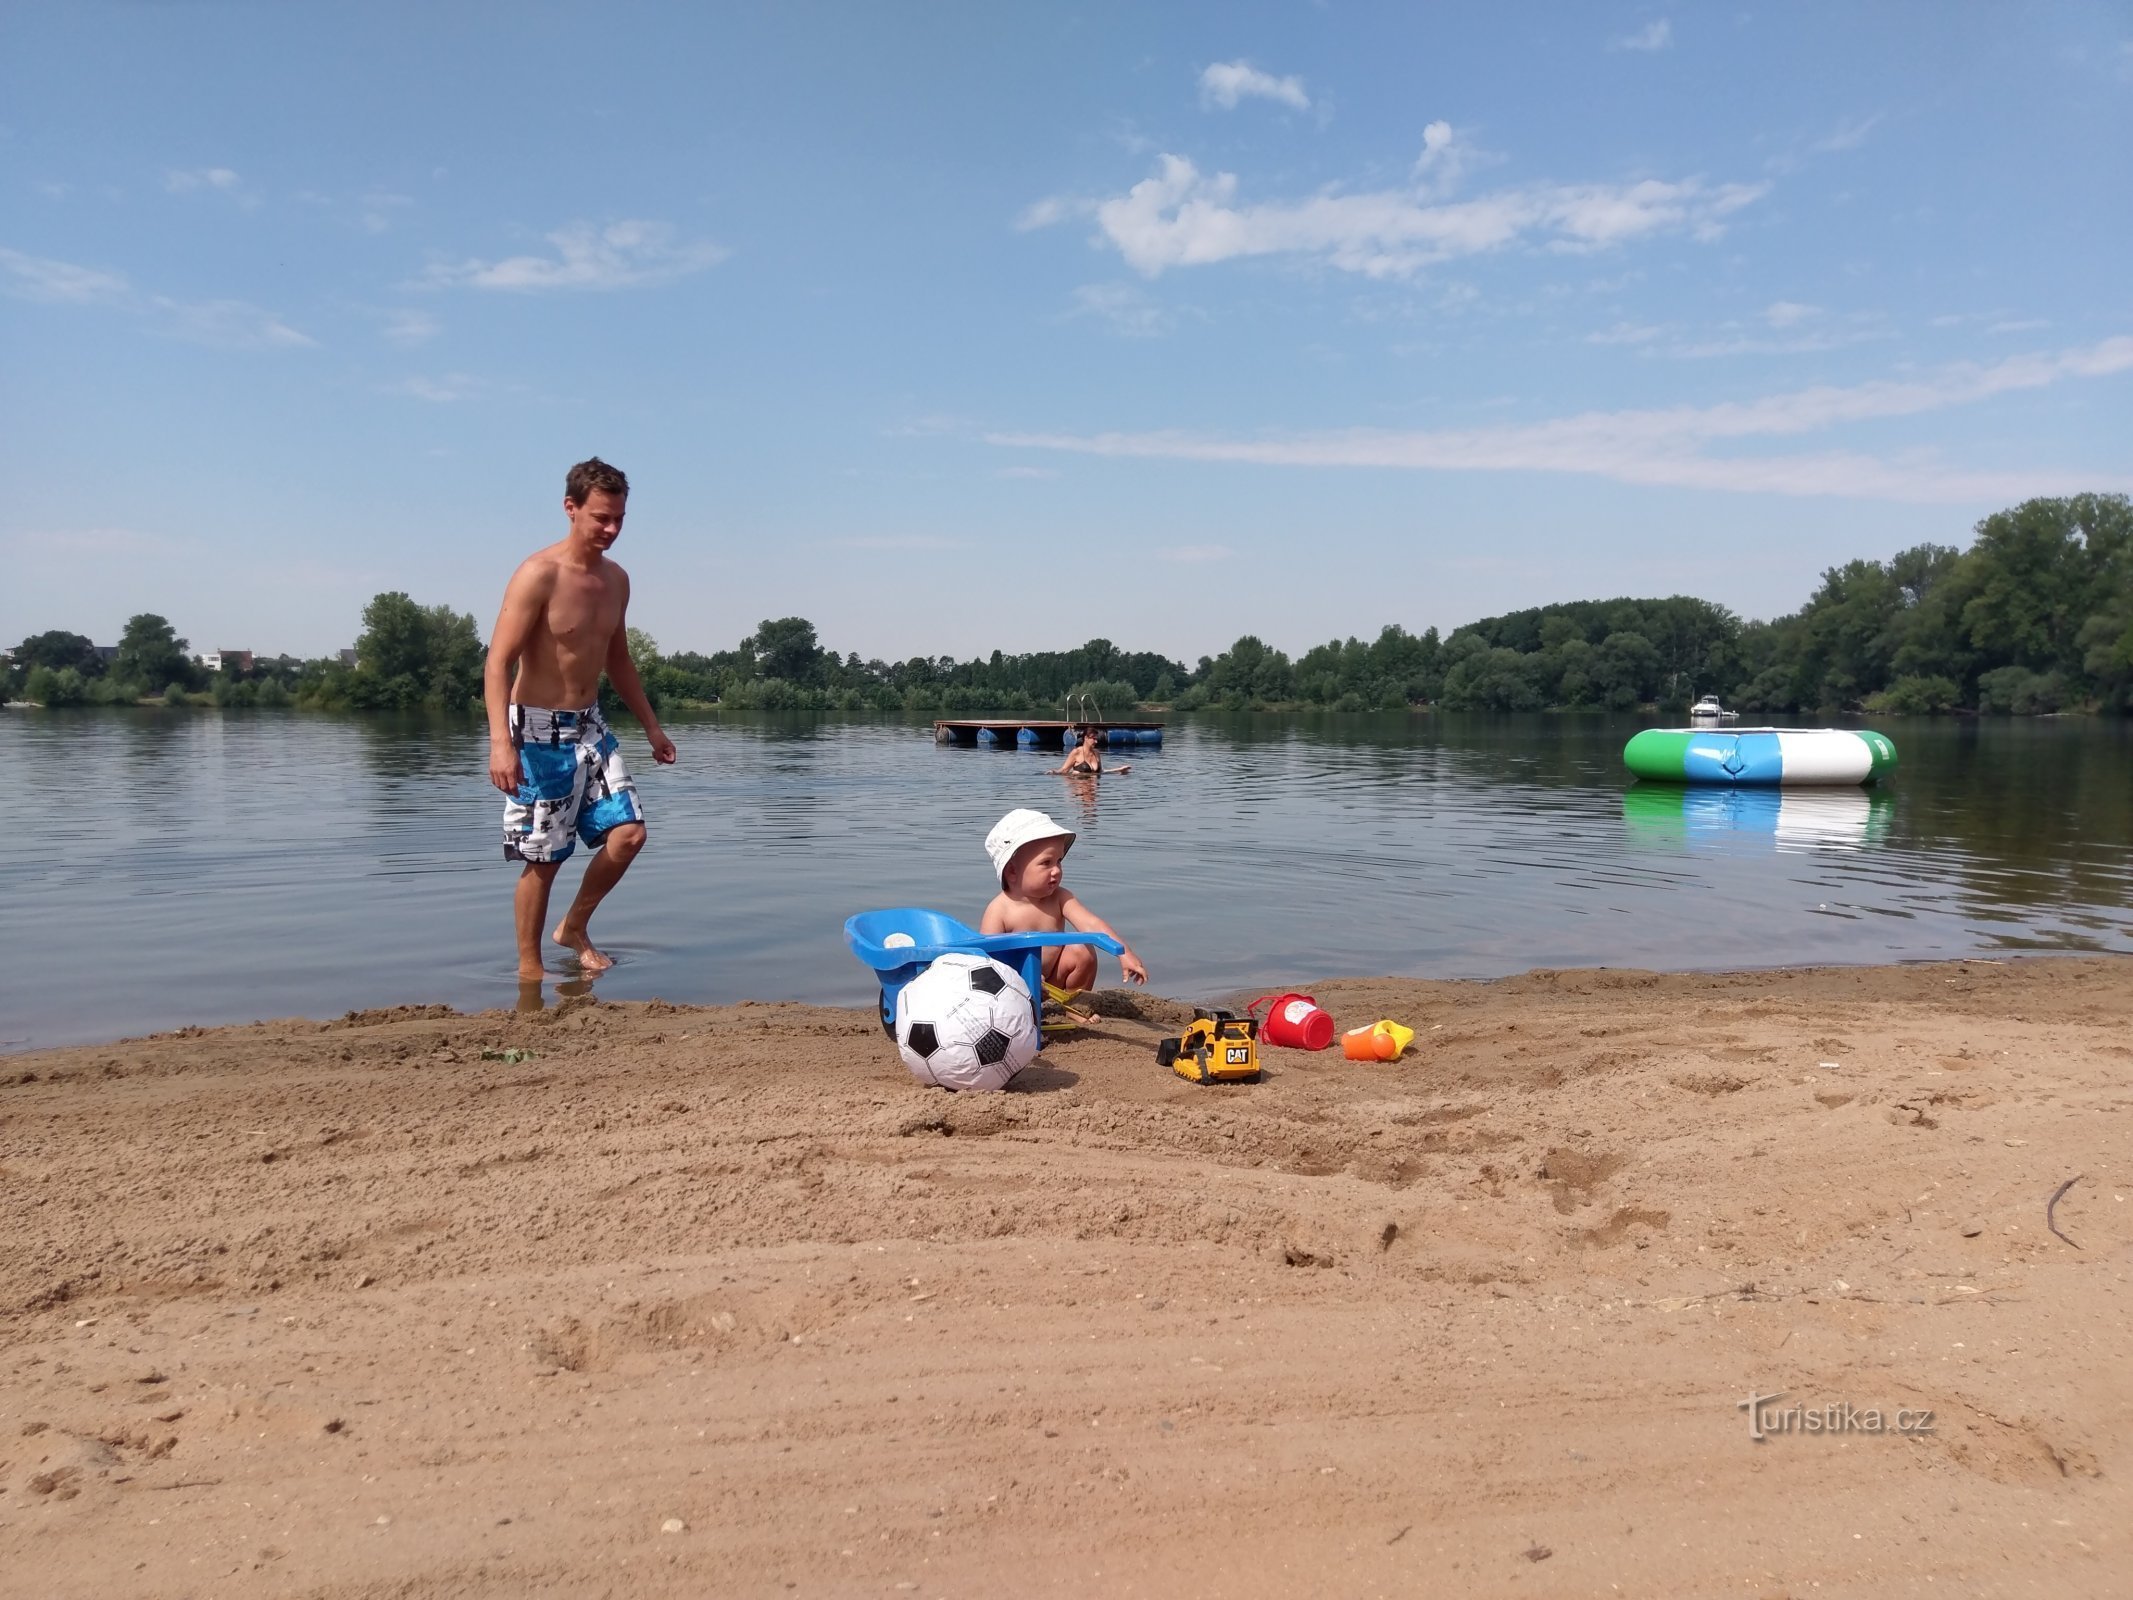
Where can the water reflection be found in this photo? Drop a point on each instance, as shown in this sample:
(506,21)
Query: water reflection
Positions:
(1673,815)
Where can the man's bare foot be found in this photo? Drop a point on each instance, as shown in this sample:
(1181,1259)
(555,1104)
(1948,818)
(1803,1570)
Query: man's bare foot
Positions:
(530,972)
(589,957)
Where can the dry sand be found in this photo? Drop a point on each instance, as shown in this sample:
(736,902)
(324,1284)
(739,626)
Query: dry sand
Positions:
(695,1302)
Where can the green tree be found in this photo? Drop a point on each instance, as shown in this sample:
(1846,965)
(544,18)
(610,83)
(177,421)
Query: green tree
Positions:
(58,650)
(1493,679)
(787,649)
(2028,585)
(47,687)
(395,641)
(1915,695)
(409,655)
(1626,670)
(457,657)
(150,654)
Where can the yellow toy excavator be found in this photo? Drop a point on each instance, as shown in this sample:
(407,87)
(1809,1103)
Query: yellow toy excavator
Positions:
(1218,1047)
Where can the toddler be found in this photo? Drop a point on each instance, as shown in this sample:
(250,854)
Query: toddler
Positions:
(1028,851)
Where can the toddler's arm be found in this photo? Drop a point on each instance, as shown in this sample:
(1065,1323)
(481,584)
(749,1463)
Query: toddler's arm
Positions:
(1082,920)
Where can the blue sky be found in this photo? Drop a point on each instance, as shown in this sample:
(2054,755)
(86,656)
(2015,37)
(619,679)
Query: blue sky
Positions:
(963,327)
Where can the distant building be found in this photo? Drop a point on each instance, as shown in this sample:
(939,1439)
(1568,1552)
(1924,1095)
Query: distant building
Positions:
(348,658)
(232,660)
(109,653)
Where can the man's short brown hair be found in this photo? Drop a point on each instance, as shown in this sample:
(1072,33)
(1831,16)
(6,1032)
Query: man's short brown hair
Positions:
(591,476)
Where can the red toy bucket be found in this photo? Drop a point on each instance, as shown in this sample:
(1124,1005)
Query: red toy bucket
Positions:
(1294,1020)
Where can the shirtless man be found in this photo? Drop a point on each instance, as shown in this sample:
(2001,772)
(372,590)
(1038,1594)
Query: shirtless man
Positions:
(550,750)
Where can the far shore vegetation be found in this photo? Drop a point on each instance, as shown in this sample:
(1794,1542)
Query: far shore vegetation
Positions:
(2036,616)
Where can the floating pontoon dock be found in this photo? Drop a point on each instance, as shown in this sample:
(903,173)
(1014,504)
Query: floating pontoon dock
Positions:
(1039,733)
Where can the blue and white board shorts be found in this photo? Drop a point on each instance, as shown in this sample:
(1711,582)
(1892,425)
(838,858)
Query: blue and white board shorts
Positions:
(572,784)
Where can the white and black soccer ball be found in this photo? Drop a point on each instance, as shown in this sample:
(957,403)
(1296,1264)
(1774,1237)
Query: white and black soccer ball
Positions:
(966,1023)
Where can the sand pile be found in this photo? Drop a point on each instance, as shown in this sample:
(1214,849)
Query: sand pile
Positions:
(655,1300)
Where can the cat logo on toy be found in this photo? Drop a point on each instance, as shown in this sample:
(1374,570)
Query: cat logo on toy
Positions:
(1219,1047)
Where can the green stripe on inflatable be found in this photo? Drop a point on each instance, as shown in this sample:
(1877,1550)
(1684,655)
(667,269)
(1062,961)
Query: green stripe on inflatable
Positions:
(1883,749)
(1660,753)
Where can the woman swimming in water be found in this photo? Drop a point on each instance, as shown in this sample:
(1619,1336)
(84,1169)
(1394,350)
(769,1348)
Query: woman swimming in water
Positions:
(1086,759)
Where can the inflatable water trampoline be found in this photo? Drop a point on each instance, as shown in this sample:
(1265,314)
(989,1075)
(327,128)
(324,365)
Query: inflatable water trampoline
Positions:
(1785,756)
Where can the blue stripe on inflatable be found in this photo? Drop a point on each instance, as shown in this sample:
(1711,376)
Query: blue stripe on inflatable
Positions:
(1761,758)
(1734,758)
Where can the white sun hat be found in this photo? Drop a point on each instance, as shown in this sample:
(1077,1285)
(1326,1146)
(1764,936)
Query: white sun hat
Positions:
(1018,828)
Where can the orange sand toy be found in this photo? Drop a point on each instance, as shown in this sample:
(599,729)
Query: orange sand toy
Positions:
(1381,1041)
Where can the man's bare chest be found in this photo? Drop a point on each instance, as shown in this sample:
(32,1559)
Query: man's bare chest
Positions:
(583,612)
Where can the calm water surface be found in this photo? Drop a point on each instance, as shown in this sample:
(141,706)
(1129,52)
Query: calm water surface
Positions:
(196,867)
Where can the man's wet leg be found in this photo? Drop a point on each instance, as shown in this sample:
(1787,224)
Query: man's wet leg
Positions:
(602,873)
(529,910)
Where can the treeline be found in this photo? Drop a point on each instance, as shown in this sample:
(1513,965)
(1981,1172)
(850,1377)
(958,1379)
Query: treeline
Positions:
(2035,616)
(408,657)
(784,666)
(67,669)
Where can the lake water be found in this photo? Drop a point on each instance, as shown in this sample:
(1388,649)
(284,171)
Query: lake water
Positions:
(199,867)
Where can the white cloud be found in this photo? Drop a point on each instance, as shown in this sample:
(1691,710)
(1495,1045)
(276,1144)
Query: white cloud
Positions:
(1848,135)
(1447,157)
(900,542)
(377,211)
(230,324)
(409,328)
(622,255)
(1786,313)
(1788,345)
(1125,308)
(227,324)
(1226,82)
(1046,212)
(2020,325)
(1027,472)
(442,390)
(61,282)
(1670,446)
(1181,217)
(1655,35)
(1625,333)
(202,178)
(75,544)
(933,425)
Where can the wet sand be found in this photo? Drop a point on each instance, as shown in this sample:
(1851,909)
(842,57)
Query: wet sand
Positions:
(689,1301)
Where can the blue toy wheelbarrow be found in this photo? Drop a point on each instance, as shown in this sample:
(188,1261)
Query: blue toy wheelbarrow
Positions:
(934,933)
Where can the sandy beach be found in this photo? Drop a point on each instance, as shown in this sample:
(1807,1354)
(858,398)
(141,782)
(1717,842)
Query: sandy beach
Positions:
(654,1300)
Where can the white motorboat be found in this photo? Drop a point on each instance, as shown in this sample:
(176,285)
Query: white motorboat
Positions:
(1709,710)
